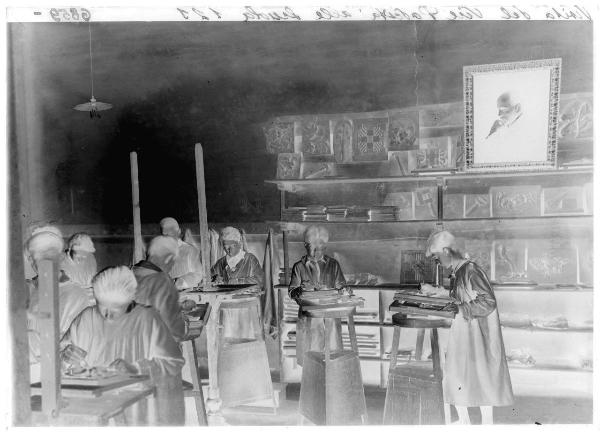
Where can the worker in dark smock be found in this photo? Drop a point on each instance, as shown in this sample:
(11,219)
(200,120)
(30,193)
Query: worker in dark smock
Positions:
(155,286)
(315,271)
(476,373)
(119,334)
(237,267)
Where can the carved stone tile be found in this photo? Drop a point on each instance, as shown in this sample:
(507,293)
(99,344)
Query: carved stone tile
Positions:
(369,140)
(315,137)
(515,201)
(404,131)
(280,137)
(288,166)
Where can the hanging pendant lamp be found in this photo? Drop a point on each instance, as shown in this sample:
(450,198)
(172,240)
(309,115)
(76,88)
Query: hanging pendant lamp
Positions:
(93,106)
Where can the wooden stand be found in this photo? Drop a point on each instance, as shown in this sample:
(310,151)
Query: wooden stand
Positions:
(240,356)
(332,391)
(414,394)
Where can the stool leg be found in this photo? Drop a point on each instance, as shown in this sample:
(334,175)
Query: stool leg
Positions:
(447,413)
(308,336)
(352,333)
(327,338)
(435,353)
(260,331)
(395,344)
(120,419)
(419,347)
(190,347)
(338,328)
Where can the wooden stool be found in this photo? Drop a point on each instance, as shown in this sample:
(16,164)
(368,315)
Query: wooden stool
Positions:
(243,369)
(250,305)
(191,359)
(332,391)
(414,393)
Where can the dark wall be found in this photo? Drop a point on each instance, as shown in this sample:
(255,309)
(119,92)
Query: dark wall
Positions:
(176,84)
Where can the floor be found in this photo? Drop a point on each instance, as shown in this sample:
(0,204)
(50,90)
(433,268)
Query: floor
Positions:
(526,410)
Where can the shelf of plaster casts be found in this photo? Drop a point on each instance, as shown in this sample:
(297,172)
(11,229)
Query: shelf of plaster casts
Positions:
(544,288)
(531,328)
(553,288)
(463,178)
(386,287)
(532,227)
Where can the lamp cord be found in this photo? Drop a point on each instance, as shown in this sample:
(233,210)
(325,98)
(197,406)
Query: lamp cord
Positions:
(91,59)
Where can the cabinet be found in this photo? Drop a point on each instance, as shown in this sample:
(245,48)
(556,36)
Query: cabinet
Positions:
(531,231)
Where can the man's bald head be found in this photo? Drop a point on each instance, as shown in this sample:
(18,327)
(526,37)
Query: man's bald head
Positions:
(162,252)
(170,227)
(44,245)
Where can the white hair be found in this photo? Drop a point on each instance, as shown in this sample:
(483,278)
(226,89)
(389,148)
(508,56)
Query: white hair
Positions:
(169,222)
(162,246)
(115,284)
(81,242)
(44,245)
(439,240)
(231,234)
(47,229)
(314,233)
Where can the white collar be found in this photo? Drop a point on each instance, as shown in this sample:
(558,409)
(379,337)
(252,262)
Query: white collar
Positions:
(232,262)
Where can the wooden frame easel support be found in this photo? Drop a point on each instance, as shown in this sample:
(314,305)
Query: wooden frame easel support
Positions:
(202,214)
(49,337)
(138,243)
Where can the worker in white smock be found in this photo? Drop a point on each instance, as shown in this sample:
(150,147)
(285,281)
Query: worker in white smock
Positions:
(72,297)
(79,261)
(314,272)
(476,372)
(187,268)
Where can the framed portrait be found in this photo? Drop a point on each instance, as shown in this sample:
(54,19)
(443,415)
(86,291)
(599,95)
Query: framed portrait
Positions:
(511,115)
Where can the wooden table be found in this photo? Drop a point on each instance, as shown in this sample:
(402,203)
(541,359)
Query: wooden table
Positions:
(96,411)
(84,389)
(215,298)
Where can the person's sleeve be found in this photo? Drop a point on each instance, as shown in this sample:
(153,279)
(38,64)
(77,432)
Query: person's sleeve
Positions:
(484,303)
(340,281)
(295,280)
(257,275)
(164,355)
(72,302)
(216,270)
(169,309)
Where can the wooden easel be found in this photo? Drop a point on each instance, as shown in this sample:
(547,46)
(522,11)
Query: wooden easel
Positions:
(138,243)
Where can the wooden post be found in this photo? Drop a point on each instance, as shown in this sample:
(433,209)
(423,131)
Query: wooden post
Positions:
(138,244)
(286,258)
(23,149)
(49,336)
(202,215)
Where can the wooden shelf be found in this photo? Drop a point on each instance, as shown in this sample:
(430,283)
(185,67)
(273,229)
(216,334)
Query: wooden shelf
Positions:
(531,227)
(469,177)
(532,328)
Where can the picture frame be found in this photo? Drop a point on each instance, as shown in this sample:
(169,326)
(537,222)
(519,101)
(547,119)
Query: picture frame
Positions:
(511,115)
